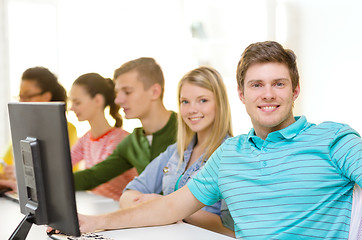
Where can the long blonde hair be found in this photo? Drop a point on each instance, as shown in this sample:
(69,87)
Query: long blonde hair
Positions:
(208,78)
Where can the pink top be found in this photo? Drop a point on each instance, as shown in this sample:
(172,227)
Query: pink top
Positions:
(94,150)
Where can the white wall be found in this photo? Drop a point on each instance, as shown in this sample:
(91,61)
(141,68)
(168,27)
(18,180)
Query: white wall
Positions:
(99,37)
(327,37)
(72,37)
(4,75)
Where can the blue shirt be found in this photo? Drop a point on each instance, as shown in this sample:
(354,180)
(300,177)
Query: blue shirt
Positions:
(295,184)
(162,174)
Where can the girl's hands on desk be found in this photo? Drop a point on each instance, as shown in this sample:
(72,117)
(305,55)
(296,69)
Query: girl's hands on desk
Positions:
(145,197)
(7,178)
(9,172)
(10,184)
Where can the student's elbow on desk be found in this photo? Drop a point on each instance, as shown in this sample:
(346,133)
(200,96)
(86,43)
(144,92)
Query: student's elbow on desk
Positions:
(126,199)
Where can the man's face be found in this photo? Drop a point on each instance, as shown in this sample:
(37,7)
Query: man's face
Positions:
(132,97)
(268,97)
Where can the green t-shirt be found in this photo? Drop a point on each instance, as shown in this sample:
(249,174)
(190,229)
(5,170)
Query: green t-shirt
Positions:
(133,151)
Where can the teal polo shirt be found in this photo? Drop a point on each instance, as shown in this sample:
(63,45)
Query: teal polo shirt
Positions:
(295,184)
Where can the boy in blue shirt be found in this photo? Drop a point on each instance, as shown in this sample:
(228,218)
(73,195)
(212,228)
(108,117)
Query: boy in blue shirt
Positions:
(285,179)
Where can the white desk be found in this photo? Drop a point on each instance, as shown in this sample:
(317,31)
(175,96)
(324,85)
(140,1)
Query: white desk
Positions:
(87,203)
(178,231)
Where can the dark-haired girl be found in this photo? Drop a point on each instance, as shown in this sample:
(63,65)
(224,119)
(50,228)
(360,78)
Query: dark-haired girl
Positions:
(90,95)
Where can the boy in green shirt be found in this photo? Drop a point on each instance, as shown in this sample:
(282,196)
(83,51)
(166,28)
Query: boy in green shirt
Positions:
(140,87)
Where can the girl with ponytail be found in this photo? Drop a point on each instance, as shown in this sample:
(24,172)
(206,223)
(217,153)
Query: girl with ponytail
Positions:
(90,95)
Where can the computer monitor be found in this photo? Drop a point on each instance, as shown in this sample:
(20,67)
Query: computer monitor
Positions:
(43,167)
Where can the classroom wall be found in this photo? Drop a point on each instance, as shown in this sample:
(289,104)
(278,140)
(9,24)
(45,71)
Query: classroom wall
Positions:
(4,76)
(327,37)
(72,37)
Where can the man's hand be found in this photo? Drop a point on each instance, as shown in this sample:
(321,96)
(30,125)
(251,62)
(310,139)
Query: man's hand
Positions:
(89,223)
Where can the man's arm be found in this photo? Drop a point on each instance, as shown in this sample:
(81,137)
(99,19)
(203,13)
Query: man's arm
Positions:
(161,211)
(201,218)
(210,221)
(346,152)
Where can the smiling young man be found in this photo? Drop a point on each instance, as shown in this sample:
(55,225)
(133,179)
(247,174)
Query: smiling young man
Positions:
(269,97)
(286,179)
(140,87)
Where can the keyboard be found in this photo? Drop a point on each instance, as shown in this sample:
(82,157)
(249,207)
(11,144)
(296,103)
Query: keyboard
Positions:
(84,236)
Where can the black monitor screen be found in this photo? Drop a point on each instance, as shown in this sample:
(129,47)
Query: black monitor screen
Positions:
(43,165)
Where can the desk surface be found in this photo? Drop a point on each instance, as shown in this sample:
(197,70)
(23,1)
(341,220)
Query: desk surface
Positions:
(88,203)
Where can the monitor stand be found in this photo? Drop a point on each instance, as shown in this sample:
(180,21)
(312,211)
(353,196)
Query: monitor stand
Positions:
(23,228)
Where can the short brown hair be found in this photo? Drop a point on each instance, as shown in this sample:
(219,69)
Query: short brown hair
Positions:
(149,72)
(264,52)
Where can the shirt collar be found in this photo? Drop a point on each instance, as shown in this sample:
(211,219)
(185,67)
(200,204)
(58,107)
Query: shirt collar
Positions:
(294,129)
(287,133)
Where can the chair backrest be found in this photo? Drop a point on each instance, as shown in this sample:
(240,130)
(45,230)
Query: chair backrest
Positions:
(355,229)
